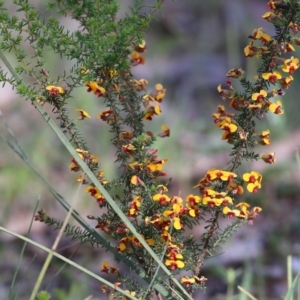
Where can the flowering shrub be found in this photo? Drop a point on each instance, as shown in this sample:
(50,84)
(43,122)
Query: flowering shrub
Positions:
(145,225)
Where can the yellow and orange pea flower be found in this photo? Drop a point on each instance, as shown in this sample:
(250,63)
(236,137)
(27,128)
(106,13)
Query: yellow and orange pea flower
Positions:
(276,108)
(242,134)
(137,59)
(99,198)
(228,126)
(209,192)
(211,202)
(258,34)
(166,236)
(165,131)
(82,179)
(124,243)
(255,106)
(74,166)
(237,103)
(121,228)
(272,77)
(276,92)
(175,257)
(213,198)
(105,227)
(159,93)
(105,289)
(175,212)
(252,176)
(129,242)
(153,167)
(139,85)
(285,83)
(95,88)
(125,135)
(55,90)
(264,37)
(135,180)
(192,211)
(134,206)
(101,178)
(92,157)
(40,101)
(151,111)
(131,293)
(83,114)
(174,264)
(268,158)
(107,268)
(107,115)
(147,99)
(171,247)
(141,47)
(187,280)
(243,206)
(136,202)
(193,199)
(231,212)
(221,111)
(221,116)
(270,16)
(84,70)
(265,137)
(161,188)
(220,175)
(202,184)
(225,93)
(161,198)
(286,47)
(94,192)
(272,5)
(223,120)
(217,117)
(136,166)
(177,207)
(235,188)
(290,65)
(250,215)
(250,50)
(152,153)
(133,212)
(254,181)
(161,222)
(83,154)
(129,148)
(259,96)
(235,73)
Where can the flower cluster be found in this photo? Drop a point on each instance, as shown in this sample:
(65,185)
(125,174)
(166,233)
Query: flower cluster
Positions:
(169,215)
(160,218)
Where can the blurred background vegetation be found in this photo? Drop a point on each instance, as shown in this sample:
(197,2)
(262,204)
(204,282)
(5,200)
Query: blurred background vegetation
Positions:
(191,46)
